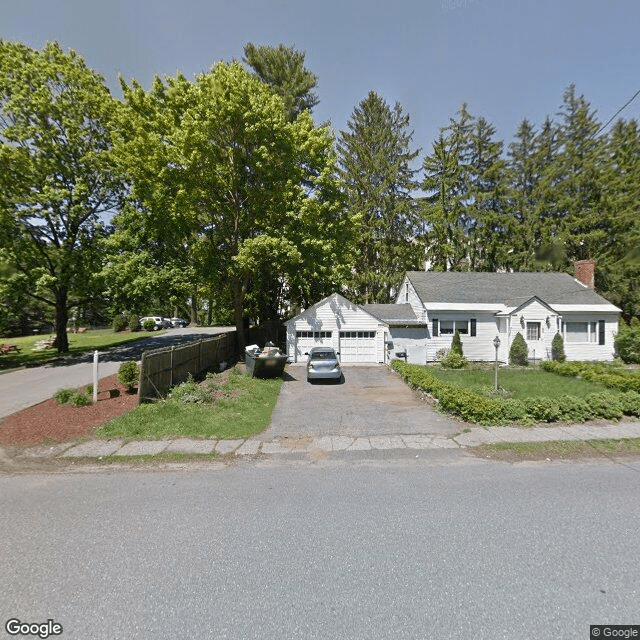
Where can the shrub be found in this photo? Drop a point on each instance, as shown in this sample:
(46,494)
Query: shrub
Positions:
(630,403)
(453,360)
(80,400)
(70,396)
(557,349)
(191,392)
(120,323)
(133,322)
(514,411)
(543,409)
(128,374)
(149,325)
(63,396)
(89,390)
(605,405)
(573,409)
(456,344)
(610,375)
(518,354)
(627,341)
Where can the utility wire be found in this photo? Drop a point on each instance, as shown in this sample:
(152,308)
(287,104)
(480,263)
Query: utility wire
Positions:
(604,126)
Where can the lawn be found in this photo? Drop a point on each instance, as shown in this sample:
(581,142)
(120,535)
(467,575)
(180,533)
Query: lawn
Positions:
(226,406)
(78,343)
(518,383)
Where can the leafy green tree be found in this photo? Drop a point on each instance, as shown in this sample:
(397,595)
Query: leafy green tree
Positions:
(375,166)
(245,192)
(57,177)
(627,341)
(282,68)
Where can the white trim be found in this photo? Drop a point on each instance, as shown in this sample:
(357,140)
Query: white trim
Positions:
(472,306)
(591,308)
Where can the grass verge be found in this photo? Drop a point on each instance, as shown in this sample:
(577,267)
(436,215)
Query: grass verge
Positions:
(558,449)
(78,343)
(517,383)
(240,406)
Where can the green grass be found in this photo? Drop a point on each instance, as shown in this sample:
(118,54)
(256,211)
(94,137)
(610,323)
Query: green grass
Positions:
(78,343)
(244,409)
(519,383)
(561,448)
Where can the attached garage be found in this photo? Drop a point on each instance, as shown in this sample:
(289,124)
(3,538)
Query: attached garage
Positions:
(341,324)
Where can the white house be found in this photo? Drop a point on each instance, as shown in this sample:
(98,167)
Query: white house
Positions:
(431,306)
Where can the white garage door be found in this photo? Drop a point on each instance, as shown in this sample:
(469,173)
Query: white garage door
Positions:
(358,346)
(306,340)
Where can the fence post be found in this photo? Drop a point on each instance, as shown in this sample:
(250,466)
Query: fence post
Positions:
(171,365)
(142,376)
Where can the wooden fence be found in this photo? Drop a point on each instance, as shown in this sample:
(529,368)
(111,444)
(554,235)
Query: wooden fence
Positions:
(161,369)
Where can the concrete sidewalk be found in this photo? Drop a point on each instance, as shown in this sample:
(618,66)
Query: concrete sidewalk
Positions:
(474,437)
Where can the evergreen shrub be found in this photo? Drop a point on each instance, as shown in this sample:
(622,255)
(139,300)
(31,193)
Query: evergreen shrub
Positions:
(129,374)
(456,344)
(149,325)
(557,349)
(519,353)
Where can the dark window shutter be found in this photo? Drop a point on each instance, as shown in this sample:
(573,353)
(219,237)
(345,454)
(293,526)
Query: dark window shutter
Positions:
(601,332)
(434,332)
(473,327)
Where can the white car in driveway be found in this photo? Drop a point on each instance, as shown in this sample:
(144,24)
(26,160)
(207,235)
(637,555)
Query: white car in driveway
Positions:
(160,322)
(323,364)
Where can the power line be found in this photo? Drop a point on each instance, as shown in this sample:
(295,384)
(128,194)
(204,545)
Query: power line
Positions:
(624,106)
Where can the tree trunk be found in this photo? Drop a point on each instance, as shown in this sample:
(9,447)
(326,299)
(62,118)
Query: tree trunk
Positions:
(238,311)
(194,309)
(62,316)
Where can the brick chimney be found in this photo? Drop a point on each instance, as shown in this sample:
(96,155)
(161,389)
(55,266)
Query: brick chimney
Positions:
(585,272)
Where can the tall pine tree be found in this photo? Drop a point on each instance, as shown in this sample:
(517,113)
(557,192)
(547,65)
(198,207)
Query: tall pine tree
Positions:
(375,159)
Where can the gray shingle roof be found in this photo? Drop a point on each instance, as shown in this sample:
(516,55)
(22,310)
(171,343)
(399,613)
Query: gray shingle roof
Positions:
(510,289)
(390,313)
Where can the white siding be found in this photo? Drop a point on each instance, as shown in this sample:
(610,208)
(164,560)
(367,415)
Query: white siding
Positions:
(475,348)
(591,350)
(413,341)
(408,294)
(334,314)
(534,312)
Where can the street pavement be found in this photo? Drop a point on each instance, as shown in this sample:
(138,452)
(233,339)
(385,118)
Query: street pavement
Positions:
(376,550)
(25,387)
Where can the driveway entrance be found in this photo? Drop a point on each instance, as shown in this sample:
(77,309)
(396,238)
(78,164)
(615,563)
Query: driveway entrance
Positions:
(372,400)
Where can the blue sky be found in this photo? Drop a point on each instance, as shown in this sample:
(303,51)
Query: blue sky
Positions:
(508,59)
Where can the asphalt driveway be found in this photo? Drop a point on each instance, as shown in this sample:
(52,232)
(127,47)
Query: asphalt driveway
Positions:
(372,400)
(25,387)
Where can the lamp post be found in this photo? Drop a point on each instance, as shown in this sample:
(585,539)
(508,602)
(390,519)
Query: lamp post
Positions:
(496,344)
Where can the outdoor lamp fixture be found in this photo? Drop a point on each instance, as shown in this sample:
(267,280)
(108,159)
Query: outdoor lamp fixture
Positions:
(496,344)
(522,321)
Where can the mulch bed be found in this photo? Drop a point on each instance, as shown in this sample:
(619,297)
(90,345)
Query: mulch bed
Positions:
(50,421)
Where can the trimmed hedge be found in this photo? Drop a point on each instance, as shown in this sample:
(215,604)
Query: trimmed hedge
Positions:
(609,375)
(473,407)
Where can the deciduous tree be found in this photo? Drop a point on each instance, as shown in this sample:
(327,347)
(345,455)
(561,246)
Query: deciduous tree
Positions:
(57,176)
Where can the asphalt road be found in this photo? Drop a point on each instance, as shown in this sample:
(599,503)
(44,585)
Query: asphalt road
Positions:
(377,550)
(26,387)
